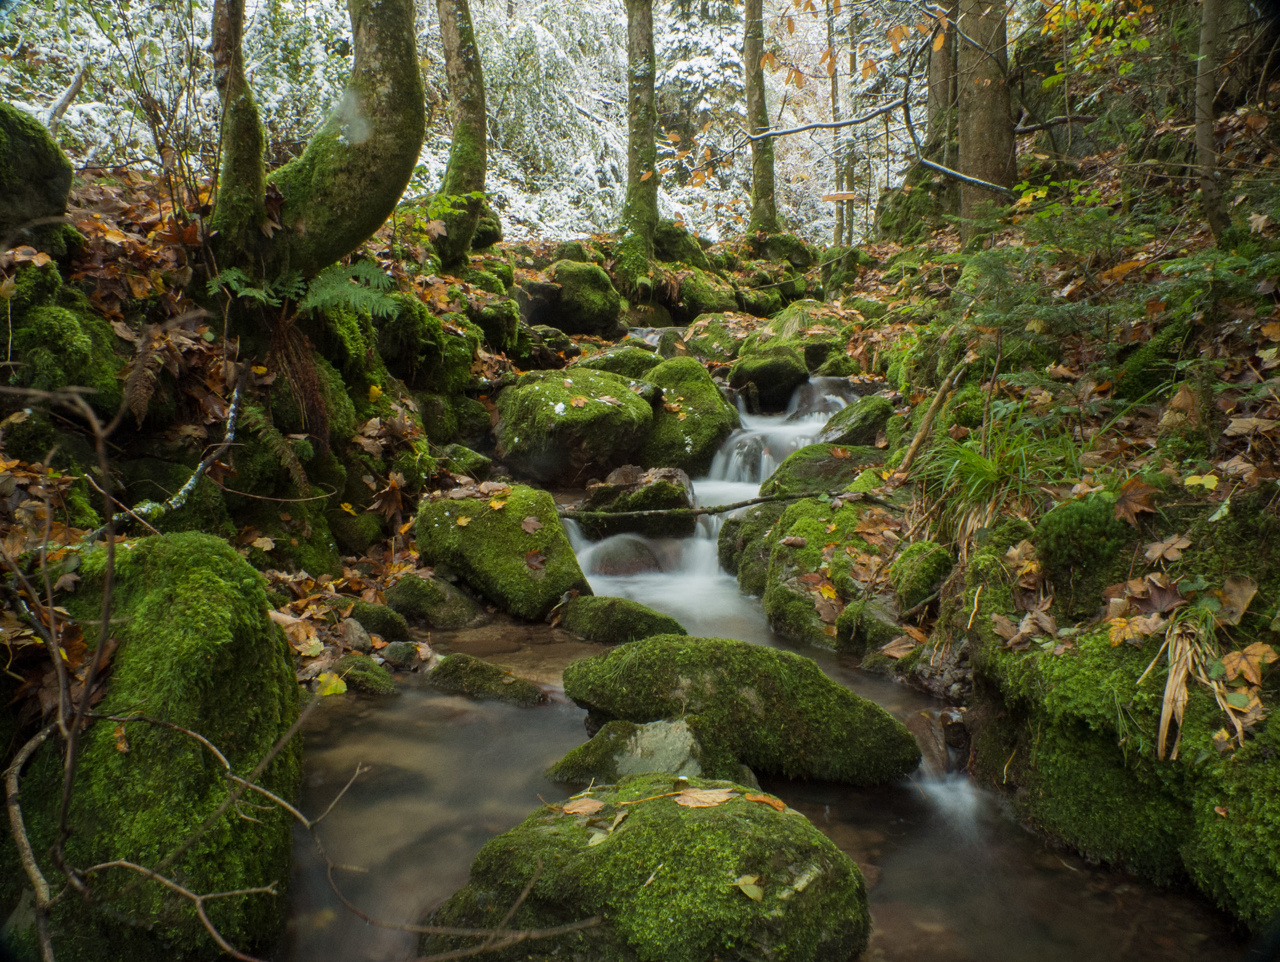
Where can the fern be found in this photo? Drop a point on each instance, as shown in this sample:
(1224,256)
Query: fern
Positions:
(271,294)
(255,420)
(359,287)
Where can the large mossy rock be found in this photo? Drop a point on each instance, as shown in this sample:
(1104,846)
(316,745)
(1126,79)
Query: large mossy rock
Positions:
(711,338)
(607,506)
(664,882)
(432,602)
(35,179)
(197,649)
(917,572)
(466,675)
(859,423)
(774,370)
(702,292)
(615,621)
(631,362)
(569,426)
(588,303)
(693,421)
(743,545)
(771,710)
(523,572)
(623,748)
(817,468)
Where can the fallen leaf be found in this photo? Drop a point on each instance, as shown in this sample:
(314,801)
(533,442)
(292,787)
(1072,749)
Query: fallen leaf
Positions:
(67,582)
(535,560)
(794,541)
(329,683)
(462,522)
(1236,594)
(579,402)
(704,797)
(497,505)
(840,453)
(1242,427)
(747,884)
(531,524)
(264,543)
(900,646)
(1207,481)
(775,803)
(122,743)
(1122,630)
(1135,498)
(582,806)
(1168,550)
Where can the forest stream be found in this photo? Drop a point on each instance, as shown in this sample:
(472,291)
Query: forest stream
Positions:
(952,877)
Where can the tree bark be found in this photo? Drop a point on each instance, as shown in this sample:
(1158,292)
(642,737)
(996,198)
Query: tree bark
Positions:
(941,103)
(764,208)
(1215,210)
(640,208)
(467,151)
(353,171)
(983,109)
(837,160)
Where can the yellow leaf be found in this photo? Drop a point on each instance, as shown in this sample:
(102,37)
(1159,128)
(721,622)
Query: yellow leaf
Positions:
(497,505)
(463,522)
(1207,481)
(328,683)
(346,506)
(827,591)
(1122,630)
(579,402)
(258,369)
(375,392)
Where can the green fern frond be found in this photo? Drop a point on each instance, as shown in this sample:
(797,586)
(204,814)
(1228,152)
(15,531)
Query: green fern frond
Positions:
(359,287)
(256,421)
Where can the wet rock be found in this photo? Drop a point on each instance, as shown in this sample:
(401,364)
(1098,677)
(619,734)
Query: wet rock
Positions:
(702,292)
(614,621)
(772,710)
(433,602)
(693,420)
(622,555)
(917,572)
(522,567)
(401,655)
(35,178)
(577,298)
(365,675)
(776,371)
(355,637)
(666,881)
(867,624)
(819,468)
(859,423)
(631,488)
(744,545)
(380,620)
(465,675)
(622,748)
(572,425)
(645,316)
(709,338)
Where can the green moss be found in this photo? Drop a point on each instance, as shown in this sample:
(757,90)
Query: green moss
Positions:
(466,675)
(499,319)
(705,293)
(428,352)
(1080,548)
(588,302)
(355,534)
(663,882)
(814,469)
(917,571)
(462,460)
(860,422)
(774,711)
(364,675)
(432,602)
(674,244)
(708,339)
(671,494)
(525,573)
(380,620)
(57,347)
(1153,364)
(866,625)
(198,650)
(621,748)
(35,178)
(630,362)
(688,437)
(613,621)
(490,283)
(546,435)
(776,371)
(744,545)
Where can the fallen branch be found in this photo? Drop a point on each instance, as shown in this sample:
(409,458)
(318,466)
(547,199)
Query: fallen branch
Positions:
(721,508)
(26,855)
(944,391)
(1054,122)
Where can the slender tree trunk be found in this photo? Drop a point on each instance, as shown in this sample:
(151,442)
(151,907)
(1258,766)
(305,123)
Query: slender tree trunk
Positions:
(467,152)
(1215,210)
(764,208)
(941,102)
(353,171)
(640,208)
(986,129)
(837,160)
(850,168)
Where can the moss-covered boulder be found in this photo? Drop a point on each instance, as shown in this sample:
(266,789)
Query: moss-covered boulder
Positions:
(606,508)
(623,748)
(702,292)
(380,620)
(35,179)
(859,423)
(588,303)
(917,572)
(710,337)
(524,572)
(675,244)
(774,370)
(630,362)
(774,711)
(432,602)
(428,352)
(569,426)
(498,317)
(668,883)
(816,468)
(366,676)
(614,621)
(460,459)
(693,421)
(197,649)
(743,545)
(465,675)
(1082,548)
(867,624)
(63,344)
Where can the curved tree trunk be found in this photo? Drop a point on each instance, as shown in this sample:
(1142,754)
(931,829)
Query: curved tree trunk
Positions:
(467,151)
(986,129)
(353,171)
(764,208)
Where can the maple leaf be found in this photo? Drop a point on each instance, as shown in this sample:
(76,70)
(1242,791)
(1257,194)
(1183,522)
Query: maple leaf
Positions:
(531,524)
(1236,594)
(535,560)
(1135,498)
(264,543)
(579,401)
(462,522)
(704,797)
(1168,550)
(840,453)
(1122,630)
(582,806)
(1258,223)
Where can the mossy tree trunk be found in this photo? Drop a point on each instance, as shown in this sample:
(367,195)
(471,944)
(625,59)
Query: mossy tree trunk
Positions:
(467,153)
(941,103)
(352,172)
(764,207)
(837,156)
(1215,210)
(640,208)
(983,109)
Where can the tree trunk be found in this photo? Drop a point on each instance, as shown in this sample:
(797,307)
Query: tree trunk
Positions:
(1215,210)
(941,102)
(467,151)
(640,209)
(837,160)
(353,171)
(764,208)
(986,129)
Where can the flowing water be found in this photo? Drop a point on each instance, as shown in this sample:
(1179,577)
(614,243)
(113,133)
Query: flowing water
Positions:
(951,876)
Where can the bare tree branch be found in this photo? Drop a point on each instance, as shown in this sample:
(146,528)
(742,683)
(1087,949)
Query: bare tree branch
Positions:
(12,779)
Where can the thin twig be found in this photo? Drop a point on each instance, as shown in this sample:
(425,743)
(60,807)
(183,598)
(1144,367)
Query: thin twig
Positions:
(721,508)
(26,856)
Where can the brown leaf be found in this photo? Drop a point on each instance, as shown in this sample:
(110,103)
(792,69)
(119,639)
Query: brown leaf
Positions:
(1135,498)
(535,560)
(582,806)
(840,453)
(531,524)
(579,402)
(1235,595)
(1168,550)
(899,646)
(704,797)
(794,541)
